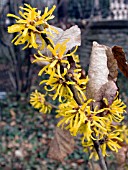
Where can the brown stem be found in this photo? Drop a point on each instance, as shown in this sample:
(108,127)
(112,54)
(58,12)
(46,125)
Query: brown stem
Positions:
(73,89)
(99,152)
(53,106)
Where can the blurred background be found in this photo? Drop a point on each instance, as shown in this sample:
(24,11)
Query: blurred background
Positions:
(25,134)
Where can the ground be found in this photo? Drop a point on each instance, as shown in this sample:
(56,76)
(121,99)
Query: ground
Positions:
(25,138)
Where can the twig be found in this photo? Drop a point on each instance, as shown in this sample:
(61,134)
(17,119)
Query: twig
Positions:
(52,105)
(99,152)
(73,89)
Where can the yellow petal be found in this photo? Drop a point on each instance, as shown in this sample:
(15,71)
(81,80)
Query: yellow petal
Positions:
(16,28)
(25,32)
(15,38)
(33,40)
(12,15)
(53,63)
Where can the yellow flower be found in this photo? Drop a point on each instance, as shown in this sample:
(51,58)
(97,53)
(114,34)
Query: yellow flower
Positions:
(94,123)
(73,115)
(124,133)
(28,24)
(60,85)
(77,60)
(56,59)
(59,65)
(37,100)
(80,119)
(110,140)
(57,70)
(115,110)
(81,81)
(59,50)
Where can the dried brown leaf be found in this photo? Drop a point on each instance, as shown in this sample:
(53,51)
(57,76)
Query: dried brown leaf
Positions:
(121,157)
(98,70)
(102,75)
(19,153)
(120,56)
(62,145)
(13,114)
(108,91)
(112,64)
(2,124)
(95,166)
(13,123)
(73,34)
(80,161)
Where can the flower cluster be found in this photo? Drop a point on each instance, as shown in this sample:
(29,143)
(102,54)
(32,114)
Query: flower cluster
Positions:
(30,26)
(80,118)
(37,100)
(115,110)
(94,125)
(124,132)
(110,140)
(115,134)
(58,68)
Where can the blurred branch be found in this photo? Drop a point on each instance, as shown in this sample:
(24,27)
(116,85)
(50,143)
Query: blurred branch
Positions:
(90,20)
(17,60)
(62,10)
(59,3)
(99,152)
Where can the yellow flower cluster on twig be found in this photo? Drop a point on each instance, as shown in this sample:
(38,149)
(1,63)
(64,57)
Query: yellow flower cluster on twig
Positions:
(110,140)
(115,110)
(28,26)
(57,69)
(66,81)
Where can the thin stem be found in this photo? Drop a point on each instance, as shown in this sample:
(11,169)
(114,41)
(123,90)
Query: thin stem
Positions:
(52,105)
(99,152)
(73,89)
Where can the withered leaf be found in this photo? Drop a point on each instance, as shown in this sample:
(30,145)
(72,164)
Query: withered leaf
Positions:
(94,166)
(108,91)
(112,64)
(62,145)
(2,124)
(121,157)
(73,34)
(98,70)
(13,114)
(120,56)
